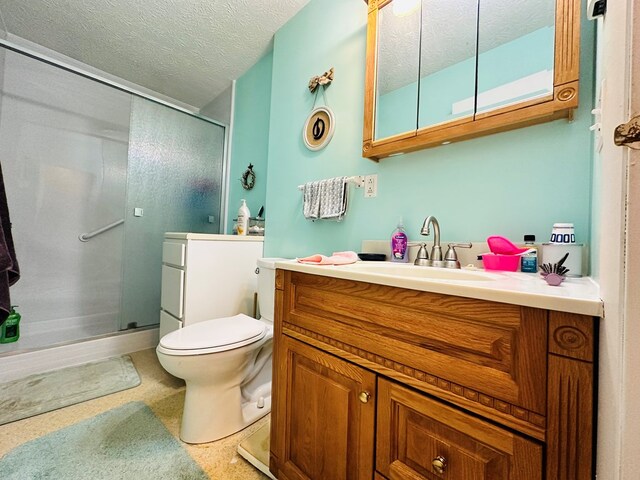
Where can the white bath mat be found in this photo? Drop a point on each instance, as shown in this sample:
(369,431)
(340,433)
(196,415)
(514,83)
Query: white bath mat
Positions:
(48,391)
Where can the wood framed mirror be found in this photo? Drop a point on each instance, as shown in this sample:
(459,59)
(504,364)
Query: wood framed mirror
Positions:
(439,71)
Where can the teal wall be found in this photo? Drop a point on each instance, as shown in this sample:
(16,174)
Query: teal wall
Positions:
(510,183)
(250,137)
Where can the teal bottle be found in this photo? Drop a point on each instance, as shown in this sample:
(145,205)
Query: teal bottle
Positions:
(10,331)
(529,261)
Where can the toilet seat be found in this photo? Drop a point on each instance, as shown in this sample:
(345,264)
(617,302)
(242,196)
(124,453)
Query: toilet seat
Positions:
(212,336)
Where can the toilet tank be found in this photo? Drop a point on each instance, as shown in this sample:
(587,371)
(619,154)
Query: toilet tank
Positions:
(267,286)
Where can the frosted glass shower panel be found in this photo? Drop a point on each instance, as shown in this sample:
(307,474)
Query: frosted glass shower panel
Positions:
(64,142)
(175,177)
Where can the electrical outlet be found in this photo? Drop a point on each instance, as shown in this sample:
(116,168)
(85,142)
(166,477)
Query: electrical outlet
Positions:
(370,186)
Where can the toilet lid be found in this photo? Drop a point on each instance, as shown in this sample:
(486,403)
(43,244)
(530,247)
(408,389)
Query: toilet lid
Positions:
(220,334)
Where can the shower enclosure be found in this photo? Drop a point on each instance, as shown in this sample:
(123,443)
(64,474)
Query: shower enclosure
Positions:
(94,177)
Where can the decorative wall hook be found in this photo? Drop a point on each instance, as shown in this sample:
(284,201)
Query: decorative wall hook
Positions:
(325,79)
(248,179)
(628,134)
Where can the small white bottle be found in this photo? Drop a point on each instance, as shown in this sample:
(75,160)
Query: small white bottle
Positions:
(243,217)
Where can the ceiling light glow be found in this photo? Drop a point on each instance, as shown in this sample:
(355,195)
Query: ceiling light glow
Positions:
(403,8)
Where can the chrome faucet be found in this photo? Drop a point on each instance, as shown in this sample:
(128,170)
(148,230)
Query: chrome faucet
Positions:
(450,259)
(436,250)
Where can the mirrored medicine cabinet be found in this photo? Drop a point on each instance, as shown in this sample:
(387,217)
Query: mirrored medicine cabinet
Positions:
(439,71)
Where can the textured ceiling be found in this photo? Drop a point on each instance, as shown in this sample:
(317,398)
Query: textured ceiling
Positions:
(449,34)
(189,50)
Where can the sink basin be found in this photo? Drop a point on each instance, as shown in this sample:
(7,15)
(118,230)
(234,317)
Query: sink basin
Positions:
(412,271)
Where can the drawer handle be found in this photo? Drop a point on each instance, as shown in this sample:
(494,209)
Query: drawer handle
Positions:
(364,397)
(439,464)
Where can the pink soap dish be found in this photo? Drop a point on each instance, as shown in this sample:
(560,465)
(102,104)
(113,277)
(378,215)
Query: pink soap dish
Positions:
(506,263)
(553,279)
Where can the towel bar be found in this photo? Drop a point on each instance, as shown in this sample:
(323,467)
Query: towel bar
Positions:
(85,237)
(357,180)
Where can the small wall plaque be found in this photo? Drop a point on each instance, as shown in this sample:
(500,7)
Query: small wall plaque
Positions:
(318,129)
(248,179)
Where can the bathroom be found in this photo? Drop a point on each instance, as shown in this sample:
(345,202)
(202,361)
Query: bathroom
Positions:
(512,183)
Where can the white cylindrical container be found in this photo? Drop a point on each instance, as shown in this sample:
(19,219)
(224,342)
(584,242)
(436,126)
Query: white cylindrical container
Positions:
(562,234)
(243,218)
(552,253)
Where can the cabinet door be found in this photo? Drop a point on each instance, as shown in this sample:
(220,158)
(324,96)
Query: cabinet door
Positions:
(419,437)
(325,413)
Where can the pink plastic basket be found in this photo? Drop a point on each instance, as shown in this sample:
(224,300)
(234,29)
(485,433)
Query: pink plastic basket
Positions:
(506,263)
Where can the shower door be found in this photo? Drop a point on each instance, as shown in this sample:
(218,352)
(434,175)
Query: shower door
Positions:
(174,184)
(63,148)
(94,177)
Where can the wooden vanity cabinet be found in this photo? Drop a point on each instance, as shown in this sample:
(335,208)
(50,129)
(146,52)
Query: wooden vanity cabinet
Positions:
(372,381)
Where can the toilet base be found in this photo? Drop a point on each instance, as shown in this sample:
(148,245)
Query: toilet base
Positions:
(225,391)
(252,412)
(211,418)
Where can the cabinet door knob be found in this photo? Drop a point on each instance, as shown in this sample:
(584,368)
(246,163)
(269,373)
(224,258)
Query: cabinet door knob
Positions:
(439,464)
(364,397)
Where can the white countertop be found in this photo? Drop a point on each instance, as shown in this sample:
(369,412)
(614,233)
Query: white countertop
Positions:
(574,295)
(213,237)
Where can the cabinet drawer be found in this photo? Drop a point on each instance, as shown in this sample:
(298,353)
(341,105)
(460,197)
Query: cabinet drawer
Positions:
(486,352)
(172,293)
(173,253)
(420,437)
(168,324)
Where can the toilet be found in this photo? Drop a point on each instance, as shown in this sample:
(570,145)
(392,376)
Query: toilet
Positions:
(226,365)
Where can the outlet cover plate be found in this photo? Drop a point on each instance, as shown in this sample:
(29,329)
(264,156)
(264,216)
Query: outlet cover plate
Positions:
(370,186)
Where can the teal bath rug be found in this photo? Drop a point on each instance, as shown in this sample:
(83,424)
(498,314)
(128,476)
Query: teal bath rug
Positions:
(126,443)
(48,391)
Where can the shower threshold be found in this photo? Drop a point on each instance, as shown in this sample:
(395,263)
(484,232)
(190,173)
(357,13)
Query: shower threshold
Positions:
(21,363)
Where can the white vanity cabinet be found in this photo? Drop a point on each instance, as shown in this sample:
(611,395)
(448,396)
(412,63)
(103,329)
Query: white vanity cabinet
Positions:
(206,276)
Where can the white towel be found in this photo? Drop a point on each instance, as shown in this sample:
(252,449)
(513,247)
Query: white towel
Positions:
(311,200)
(333,198)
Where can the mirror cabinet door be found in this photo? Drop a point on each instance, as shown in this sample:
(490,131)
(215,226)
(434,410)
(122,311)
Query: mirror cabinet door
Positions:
(398,54)
(447,61)
(515,53)
(446,70)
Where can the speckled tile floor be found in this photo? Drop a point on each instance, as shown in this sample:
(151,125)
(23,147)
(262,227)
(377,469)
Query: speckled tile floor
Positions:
(164,394)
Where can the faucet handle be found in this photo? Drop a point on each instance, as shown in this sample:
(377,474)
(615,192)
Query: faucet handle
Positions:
(451,257)
(422,258)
